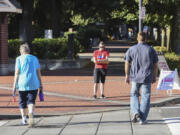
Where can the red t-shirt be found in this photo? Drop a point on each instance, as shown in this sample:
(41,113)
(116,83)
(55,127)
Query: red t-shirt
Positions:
(103,54)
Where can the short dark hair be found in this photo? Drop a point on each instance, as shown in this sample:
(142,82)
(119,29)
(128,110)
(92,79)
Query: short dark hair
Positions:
(142,36)
(101,43)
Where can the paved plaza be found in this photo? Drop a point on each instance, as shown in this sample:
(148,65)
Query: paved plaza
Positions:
(69,108)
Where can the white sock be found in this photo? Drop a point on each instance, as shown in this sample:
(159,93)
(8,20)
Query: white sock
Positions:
(24,118)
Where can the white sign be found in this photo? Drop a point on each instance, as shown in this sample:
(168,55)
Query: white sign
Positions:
(176,85)
(143,13)
(48,34)
(162,64)
(168,80)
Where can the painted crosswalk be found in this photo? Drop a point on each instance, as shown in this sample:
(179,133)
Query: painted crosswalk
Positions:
(173,124)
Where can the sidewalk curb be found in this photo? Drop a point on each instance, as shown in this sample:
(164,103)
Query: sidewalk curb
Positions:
(164,102)
(17,116)
(167,101)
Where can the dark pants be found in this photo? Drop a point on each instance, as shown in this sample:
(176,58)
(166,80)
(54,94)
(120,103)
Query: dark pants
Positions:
(100,75)
(27,97)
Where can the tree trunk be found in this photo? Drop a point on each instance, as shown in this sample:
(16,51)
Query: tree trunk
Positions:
(25,33)
(151,33)
(168,37)
(159,35)
(163,38)
(55,14)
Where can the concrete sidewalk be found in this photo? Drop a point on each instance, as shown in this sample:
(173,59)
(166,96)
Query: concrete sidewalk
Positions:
(104,123)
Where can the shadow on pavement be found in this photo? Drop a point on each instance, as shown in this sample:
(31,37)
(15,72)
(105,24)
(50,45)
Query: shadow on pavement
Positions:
(80,123)
(81,106)
(81,72)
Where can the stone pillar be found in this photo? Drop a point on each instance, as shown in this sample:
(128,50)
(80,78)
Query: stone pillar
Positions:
(70,46)
(3,44)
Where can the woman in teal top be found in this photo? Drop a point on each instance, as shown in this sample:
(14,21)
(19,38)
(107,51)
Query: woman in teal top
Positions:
(27,81)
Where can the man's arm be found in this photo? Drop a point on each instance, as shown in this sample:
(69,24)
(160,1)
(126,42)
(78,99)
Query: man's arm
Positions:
(94,60)
(104,61)
(127,68)
(155,72)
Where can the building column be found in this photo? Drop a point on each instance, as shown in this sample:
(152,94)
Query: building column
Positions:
(3,44)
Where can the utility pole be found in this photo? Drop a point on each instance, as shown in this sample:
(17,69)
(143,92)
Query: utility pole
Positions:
(140,19)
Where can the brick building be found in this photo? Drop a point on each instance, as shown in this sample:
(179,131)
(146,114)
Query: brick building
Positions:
(6,6)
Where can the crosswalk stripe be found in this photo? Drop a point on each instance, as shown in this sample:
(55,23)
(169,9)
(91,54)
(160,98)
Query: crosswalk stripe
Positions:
(173,124)
(171,107)
(3,122)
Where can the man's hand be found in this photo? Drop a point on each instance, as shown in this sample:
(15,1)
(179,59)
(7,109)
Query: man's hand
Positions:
(127,80)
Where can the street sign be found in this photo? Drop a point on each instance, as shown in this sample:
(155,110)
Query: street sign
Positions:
(143,13)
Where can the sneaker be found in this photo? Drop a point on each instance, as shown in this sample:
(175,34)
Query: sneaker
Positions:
(31,120)
(136,118)
(143,122)
(94,96)
(24,122)
(102,96)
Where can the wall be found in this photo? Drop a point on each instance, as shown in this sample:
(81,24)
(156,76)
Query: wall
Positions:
(3,44)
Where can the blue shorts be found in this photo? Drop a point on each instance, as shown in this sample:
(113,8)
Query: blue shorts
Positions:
(27,97)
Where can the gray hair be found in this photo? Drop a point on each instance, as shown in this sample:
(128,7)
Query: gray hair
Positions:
(25,48)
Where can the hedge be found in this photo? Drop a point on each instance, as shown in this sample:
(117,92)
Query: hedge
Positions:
(160,49)
(56,48)
(172,59)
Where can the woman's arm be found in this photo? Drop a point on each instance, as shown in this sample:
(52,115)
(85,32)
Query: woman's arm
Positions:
(39,77)
(15,81)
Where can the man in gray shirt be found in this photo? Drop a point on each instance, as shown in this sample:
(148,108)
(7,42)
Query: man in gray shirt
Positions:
(141,61)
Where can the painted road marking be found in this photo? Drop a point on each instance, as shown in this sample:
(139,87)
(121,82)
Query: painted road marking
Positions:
(171,107)
(3,122)
(173,124)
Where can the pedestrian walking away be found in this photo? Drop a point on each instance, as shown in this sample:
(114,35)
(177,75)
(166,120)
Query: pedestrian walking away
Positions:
(141,69)
(27,81)
(100,58)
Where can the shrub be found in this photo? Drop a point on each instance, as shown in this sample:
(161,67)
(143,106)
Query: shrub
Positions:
(160,49)
(56,48)
(78,47)
(173,60)
(85,34)
(152,42)
(13,47)
(50,48)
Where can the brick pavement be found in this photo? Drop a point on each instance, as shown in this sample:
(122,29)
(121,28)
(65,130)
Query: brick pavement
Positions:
(73,93)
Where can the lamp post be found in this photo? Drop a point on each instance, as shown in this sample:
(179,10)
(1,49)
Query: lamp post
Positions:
(140,19)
